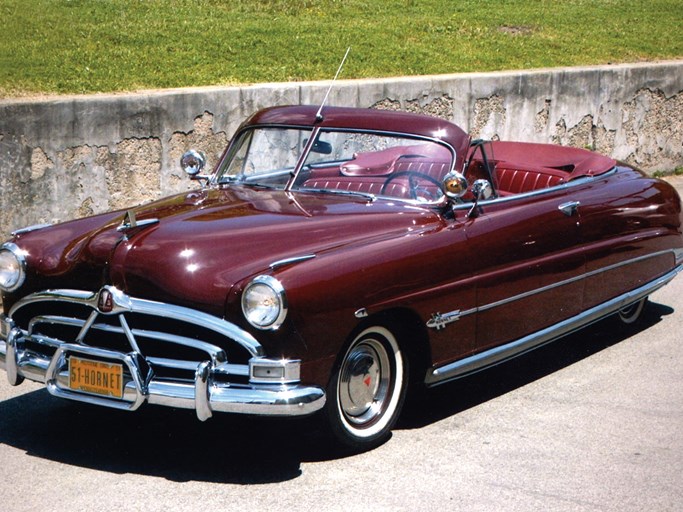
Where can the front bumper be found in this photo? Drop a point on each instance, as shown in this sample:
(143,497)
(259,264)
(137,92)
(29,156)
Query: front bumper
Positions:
(208,389)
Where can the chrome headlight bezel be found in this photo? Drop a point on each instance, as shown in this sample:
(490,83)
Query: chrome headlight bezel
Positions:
(264,303)
(17,261)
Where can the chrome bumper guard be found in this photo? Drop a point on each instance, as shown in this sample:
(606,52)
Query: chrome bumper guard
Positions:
(279,395)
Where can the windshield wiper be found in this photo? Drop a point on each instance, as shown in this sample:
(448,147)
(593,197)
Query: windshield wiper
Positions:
(237,180)
(228,179)
(256,184)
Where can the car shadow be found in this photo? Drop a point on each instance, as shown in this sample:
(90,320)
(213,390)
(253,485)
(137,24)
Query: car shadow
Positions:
(174,445)
(157,441)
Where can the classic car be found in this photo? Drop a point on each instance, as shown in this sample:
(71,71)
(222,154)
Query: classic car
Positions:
(332,257)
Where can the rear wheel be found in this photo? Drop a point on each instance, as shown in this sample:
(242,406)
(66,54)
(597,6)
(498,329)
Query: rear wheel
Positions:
(632,313)
(367,390)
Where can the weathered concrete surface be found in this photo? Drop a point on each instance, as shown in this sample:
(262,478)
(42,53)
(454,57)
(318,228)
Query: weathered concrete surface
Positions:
(72,156)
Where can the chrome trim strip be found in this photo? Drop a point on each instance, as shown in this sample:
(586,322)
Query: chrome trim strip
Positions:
(28,229)
(563,186)
(290,261)
(496,355)
(53,320)
(679,256)
(218,369)
(440,320)
(124,303)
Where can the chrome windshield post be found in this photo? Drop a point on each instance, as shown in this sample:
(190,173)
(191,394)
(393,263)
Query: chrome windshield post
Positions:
(302,159)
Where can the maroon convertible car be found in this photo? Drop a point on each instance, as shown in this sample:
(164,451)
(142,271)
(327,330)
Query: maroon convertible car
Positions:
(333,256)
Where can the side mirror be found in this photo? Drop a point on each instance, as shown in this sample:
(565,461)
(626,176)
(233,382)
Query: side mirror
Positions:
(482,190)
(454,185)
(192,163)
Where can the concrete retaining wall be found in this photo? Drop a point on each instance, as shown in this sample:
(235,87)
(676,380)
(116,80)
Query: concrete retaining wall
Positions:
(72,156)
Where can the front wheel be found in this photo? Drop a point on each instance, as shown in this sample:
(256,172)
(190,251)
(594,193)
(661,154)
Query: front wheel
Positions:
(367,389)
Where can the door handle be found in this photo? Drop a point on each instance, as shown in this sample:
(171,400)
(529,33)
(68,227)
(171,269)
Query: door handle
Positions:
(569,208)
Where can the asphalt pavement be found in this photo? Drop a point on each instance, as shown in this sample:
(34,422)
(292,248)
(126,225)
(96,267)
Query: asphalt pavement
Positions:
(592,422)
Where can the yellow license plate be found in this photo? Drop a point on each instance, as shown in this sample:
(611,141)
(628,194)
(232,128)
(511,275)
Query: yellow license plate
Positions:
(96,377)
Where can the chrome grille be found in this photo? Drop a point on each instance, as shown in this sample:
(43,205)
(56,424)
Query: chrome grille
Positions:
(174,340)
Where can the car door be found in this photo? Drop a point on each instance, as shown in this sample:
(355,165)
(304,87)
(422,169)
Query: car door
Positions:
(529,263)
(624,218)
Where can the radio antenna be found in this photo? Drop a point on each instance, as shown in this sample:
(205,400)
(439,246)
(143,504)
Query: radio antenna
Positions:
(319,115)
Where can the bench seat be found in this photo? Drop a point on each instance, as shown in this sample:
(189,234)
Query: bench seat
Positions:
(515,179)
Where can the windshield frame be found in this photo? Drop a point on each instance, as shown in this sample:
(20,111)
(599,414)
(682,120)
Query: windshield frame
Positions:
(314,132)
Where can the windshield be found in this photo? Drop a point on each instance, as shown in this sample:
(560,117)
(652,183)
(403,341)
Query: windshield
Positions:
(338,161)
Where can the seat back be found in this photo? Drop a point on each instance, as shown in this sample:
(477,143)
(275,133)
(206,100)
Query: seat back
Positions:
(515,179)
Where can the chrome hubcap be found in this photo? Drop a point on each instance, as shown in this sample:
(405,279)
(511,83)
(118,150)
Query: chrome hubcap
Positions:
(364,382)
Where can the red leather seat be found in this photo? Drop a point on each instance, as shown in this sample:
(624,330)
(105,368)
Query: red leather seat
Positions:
(395,188)
(516,180)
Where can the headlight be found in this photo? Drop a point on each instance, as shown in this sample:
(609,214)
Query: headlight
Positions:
(264,303)
(12,267)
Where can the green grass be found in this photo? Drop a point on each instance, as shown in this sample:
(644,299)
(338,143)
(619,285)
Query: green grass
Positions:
(85,46)
(678,171)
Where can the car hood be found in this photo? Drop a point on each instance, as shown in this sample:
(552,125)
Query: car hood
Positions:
(192,248)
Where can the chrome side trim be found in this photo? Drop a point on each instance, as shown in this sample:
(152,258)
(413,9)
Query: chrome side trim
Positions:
(440,320)
(563,186)
(496,355)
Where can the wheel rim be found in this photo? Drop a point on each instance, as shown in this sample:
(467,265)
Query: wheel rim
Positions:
(370,384)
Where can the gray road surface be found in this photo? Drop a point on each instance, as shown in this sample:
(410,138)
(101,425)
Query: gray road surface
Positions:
(593,422)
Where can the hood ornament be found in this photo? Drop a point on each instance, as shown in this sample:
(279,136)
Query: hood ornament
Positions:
(129,223)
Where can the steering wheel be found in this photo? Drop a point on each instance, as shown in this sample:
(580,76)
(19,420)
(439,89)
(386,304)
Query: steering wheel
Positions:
(414,178)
